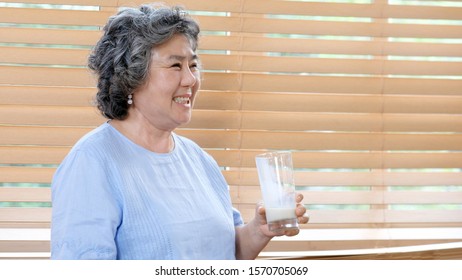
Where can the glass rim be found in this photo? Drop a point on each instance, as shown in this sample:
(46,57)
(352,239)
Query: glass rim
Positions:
(271,154)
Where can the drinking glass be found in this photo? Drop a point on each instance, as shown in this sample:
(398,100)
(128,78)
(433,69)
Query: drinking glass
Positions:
(275,172)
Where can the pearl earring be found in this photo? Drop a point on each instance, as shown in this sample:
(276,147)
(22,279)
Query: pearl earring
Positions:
(130,100)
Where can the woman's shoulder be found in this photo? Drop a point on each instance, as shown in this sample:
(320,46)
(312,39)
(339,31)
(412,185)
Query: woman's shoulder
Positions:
(93,141)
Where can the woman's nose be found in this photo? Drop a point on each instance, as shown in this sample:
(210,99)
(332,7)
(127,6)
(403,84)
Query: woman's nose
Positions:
(189,77)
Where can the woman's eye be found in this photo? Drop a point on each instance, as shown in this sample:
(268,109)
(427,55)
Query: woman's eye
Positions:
(176,65)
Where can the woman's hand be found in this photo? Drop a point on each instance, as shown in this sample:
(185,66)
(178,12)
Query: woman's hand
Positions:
(300,212)
(254,236)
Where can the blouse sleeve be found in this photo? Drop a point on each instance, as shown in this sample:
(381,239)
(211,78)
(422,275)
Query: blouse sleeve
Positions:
(85,210)
(237,218)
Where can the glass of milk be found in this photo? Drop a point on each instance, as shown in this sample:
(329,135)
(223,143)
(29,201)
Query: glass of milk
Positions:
(275,172)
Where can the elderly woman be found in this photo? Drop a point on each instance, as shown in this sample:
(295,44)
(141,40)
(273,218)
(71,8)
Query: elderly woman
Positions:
(132,188)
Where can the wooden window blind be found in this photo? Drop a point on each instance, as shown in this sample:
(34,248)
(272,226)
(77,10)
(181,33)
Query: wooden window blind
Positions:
(367,95)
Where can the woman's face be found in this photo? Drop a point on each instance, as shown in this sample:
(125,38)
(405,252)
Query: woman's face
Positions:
(167,97)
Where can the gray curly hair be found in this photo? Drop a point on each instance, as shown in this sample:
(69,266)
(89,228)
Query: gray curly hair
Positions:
(121,58)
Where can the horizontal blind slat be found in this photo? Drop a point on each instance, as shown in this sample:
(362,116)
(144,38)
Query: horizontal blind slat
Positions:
(358,160)
(373,178)
(201,5)
(246,158)
(323,65)
(384,216)
(46,115)
(48,136)
(252,140)
(377,197)
(69,2)
(376,10)
(250,82)
(54,16)
(49,36)
(44,175)
(307,27)
(312,9)
(361,249)
(364,218)
(24,249)
(350,122)
(324,46)
(25,194)
(25,215)
(253,195)
(32,155)
(246,43)
(314,84)
(46,76)
(349,103)
(46,95)
(212,119)
(422,12)
(253,101)
(216,119)
(55,56)
(350,141)
(41,175)
(218,100)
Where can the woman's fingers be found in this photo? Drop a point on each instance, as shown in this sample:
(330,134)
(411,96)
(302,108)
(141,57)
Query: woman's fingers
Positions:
(303,219)
(300,210)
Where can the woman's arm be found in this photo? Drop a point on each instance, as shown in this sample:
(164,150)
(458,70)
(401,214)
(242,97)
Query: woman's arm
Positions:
(86,212)
(250,239)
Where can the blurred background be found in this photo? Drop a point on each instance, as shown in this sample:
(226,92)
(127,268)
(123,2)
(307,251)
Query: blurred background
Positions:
(366,94)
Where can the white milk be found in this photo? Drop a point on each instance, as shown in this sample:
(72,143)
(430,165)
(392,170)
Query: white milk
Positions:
(277,214)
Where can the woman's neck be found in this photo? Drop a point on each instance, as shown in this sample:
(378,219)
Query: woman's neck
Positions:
(145,135)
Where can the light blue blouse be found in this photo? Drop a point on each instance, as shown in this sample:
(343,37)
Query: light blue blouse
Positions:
(113,199)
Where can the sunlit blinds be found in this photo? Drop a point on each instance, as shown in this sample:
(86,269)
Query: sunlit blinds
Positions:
(367,94)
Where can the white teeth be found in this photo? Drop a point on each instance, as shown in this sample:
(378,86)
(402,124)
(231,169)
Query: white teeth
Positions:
(181,100)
